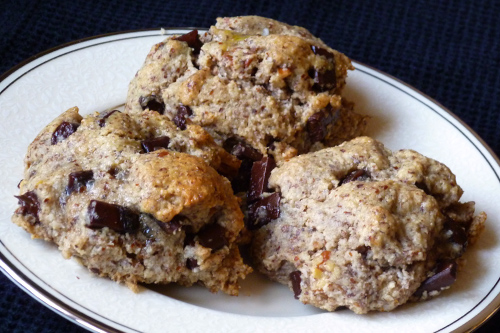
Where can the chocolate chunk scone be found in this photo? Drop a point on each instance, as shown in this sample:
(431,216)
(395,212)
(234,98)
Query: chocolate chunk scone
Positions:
(135,199)
(271,86)
(359,226)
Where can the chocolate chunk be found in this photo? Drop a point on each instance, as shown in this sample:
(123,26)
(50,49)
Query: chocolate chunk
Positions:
(78,181)
(229,144)
(180,122)
(244,151)
(189,239)
(455,233)
(191,263)
(247,154)
(118,218)
(322,52)
(62,132)
(296,279)
(213,236)
(316,127)
(323,80)
(29,205)
(180,118)
(192,39)
(318,122)
(446,274)
(261,171)
(153,103)
(155,143)
(241,182)
(354,175)
(104,116)
(263,211)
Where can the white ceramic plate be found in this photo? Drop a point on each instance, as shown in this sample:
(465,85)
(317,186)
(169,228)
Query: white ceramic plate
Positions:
(94,74)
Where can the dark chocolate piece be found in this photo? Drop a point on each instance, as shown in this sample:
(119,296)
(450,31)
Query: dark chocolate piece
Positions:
(229,144)
(446,274)
(63,131)
(155,143)
(191,263)
(183,112)
(241,182)
(102,120)
(78,181)
(118,218)
(192,39)
(261,171)
(318,122)
(189,239)
(244,151)
(455,233)
(296,279)
(212,236)
(323,80)
(323,52)
(29,205)
(153,103)
(247,154)
(263,211)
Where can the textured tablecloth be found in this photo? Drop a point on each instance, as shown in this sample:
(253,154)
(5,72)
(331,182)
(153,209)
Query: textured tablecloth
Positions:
(449,50)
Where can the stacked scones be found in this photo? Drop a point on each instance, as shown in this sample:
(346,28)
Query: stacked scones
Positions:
(241,136)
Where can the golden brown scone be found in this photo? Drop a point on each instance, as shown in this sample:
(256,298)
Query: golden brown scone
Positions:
(362,227)
(135,199)
(270,86)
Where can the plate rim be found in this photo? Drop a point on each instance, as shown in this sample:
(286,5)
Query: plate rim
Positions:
(39,293)
(478,148)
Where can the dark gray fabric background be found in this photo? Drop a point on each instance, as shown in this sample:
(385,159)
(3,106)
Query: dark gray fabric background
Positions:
(449,50)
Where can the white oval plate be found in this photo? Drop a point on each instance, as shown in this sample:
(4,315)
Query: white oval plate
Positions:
(93,74)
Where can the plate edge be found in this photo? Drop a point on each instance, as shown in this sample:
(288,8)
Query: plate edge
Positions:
(25,62)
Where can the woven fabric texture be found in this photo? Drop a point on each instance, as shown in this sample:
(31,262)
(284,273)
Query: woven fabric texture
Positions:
(449,50)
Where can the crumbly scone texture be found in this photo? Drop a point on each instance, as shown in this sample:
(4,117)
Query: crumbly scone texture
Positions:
(134,216)
(271,85)
(362,227)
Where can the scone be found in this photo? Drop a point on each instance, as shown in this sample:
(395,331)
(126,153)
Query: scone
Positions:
(135,199)
(359,226)
(251,81)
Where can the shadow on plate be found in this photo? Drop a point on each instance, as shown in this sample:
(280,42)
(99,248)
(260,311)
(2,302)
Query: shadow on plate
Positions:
(378,122)
(258,297)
